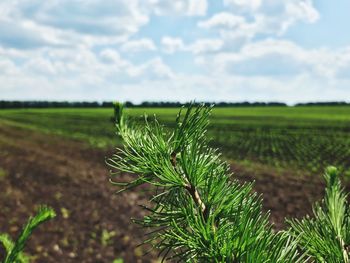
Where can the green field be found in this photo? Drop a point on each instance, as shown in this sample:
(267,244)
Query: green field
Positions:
(305,139)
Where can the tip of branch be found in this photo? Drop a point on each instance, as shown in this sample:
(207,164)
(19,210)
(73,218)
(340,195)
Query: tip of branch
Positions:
(331,175)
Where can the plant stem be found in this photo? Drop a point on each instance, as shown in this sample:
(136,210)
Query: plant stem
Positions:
(191,189)
(344,248)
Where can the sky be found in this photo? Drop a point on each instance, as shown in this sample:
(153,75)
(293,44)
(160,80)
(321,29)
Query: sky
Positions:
(175,50)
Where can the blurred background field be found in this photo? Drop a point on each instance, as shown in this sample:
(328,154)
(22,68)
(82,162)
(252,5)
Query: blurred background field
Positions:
(305,139)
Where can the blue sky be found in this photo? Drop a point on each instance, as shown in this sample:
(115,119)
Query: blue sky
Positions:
(175,50)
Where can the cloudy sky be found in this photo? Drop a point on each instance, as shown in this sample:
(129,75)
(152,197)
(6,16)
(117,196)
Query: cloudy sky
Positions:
(175,50)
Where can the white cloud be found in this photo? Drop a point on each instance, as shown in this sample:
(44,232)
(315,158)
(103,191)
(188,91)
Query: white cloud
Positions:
(172,44)
(24,35)
(90,17)
(244,4)
(296,9)
(112,56)
(279,66)
(154,69)
(271,58)
(254,17)
(234,30)
(40,66)
(36,24)
(139,45)
(65,74)
(197,7)
(223,20)
(7,67)
(303,10)
(179,7)
(206,45)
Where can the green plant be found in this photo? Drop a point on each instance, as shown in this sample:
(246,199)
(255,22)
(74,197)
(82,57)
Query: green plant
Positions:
(198,214)
(326,237)
(118,110)
(14,250)
(106,237)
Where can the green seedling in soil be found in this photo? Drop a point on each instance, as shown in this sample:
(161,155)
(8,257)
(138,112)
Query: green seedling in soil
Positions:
(65,213)
(14,249)
(3,174)
(106,237)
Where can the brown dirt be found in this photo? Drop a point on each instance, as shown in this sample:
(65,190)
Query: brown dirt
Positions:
(284,195)
(73,179)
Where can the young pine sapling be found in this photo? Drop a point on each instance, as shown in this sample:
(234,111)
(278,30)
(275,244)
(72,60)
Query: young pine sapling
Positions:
(199,214)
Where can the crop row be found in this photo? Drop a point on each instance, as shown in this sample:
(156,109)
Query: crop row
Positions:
(306,149)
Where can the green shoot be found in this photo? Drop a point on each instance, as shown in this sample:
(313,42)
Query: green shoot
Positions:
(118,112)
(15,249)
(326,237)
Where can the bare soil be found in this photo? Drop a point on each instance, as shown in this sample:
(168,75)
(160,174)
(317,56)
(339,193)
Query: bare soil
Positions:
(93,224)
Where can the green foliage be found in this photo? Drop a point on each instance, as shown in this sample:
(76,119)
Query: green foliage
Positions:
(118,112)
(9,245)
(14,250)
(326,237)
(198,213)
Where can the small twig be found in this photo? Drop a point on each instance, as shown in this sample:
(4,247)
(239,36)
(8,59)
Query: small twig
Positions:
(191,189)
(173,159)
(345,249)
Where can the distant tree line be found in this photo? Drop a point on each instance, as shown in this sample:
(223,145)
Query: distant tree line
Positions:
(50,104)
(217,104)
(108,104)
(327,103)
(147,104)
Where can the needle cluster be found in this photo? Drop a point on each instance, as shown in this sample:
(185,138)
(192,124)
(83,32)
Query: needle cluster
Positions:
(325,237)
